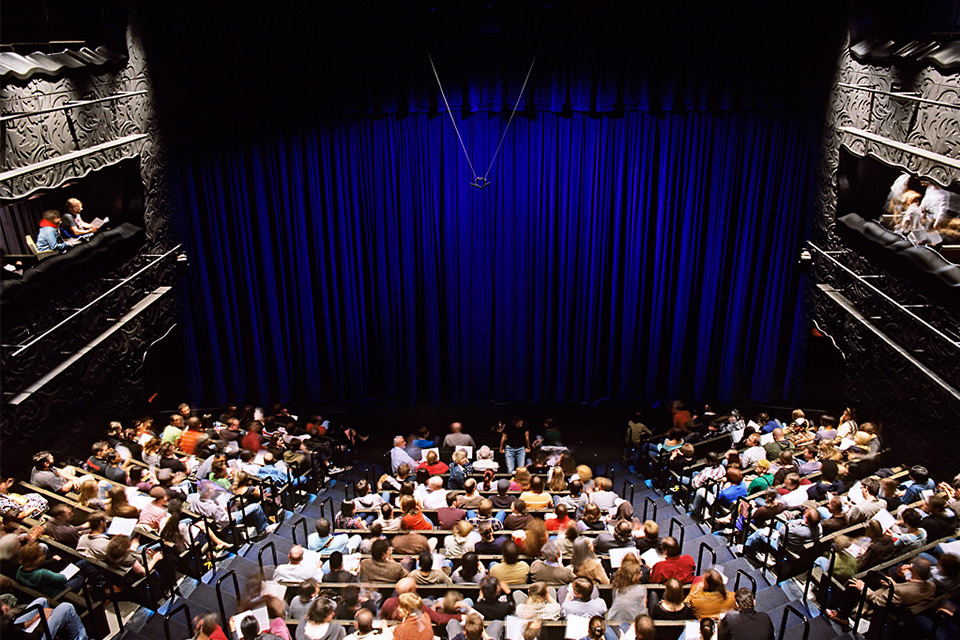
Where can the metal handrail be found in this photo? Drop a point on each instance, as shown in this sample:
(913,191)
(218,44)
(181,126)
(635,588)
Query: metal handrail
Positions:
(674,521)
(302,521)
(647,500)
(183,606)
(753,583)
(236,589)
(273,551)
(628,484)
(786,614)
(713,554)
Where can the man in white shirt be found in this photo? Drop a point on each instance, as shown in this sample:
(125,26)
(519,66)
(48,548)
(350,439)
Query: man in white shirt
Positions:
(753,453)
(296,569)
(436,497)
(399,455)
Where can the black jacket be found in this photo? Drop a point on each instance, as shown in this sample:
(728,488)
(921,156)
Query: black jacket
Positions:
(745,625)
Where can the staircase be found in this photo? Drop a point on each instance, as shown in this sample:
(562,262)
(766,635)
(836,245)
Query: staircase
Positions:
(803,620)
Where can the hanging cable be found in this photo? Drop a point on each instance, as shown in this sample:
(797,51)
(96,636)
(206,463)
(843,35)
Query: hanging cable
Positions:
(450,113)
(512,113)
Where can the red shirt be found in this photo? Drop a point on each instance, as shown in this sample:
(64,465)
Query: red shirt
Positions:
(681,568)
(556,524)
(188,441)
(415,521)
(435,469)
(251,441)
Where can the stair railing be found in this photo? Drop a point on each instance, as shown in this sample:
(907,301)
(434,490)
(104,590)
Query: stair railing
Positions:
(674,521)
(238,530)
(744,574)
(628,484)
(323,508)
(713,554)
(169,614)
(648,501)
(786,614)
(236,590)
(301,522)
(861,601)
(273,550)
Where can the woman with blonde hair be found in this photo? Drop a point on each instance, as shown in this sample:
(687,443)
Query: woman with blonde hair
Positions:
(119,506)
(521,480)
(461,541)
(629,595)
(88,495)
(415,623)
(585,475)
(535,536)
(558,480)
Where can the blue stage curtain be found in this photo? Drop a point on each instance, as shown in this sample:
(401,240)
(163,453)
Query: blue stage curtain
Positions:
(631,255)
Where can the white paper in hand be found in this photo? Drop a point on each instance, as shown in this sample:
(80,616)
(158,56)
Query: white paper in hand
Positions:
(617,555)
(885,519)
(121,526)
(651,557)
(69,571)
(766,439)
(577,628)
(424,452)
(259,614)
(856,493)
(351,562)
(951,547)
(796,497)
(514,627)
(275,589)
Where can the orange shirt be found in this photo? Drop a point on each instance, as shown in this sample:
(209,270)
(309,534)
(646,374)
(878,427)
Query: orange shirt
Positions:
(188,441)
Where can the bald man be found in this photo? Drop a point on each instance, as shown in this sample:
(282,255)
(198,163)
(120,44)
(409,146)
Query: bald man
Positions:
(71,224)
(456,438)
(297,569)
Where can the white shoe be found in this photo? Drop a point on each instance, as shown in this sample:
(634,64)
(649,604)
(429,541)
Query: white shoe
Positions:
(271,527)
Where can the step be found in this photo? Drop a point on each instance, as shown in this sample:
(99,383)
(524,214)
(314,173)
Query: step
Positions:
(770,598)
(205,596)
(820,629)
(153,629)
(776,615)
(730,570)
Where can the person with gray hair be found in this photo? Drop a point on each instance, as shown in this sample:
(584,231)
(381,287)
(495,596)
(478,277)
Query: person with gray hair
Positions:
(745,623)
(485,460)
(399,455)
(550,569)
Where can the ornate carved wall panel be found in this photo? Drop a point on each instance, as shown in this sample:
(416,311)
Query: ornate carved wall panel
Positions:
(70,412)
(919,417)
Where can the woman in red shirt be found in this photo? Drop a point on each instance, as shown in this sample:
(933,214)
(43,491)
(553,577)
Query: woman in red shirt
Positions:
(412,515)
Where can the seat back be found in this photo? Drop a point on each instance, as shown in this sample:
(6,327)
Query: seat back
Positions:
(32,246)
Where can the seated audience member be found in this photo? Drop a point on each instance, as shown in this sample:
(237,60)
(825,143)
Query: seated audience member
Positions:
(622,537)
(881,547)
(49,237)
(629,594)
(798,532)
(470,570)
(558,480)
(32,575)
(890,496)
(456,438)
(387,520)
(848,424)
(399,455)
(348,518)
(411,543)
(154,512)
(450,515)
(582,603)
(337,573)
(15,505)
(566,538)
(585,563)
(914,595)
(470,498)
(518,518)
(603,495)
(488,544)
(561,519)
(93,544)
(830,481)
(62,620)
(295,569)
(871,504)
(577,501)
(550,569)
(433,464)
(786,465)
(650,539)
(502,500)
(59,528)
(511,570)
(462,540)
(307,592)
(121,554)
(714,471)
(204,503)
(946,575)
(413,518)
(837,520)
(381,567)
(494,602)
(538,605)
(485,460)
(425,574)
(323,542)
(46,476)
(674,565)
(708,598)
(780,444)
(827,429)
(911,536)
(919,482)
(937,521)
(592,519)
(436,496)
(764,479)
(473,629)
(753,452)
(415,622)
(681,458)
(536,497)
(460,468)
(672,605)
(745,622)
(173,430)
(808,462)
(317,623)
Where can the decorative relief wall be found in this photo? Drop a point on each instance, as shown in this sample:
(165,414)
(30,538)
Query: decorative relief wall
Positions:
(919,417)
(70,412)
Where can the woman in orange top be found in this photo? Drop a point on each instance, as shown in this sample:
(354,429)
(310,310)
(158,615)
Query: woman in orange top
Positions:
(413,517)
(709,597)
